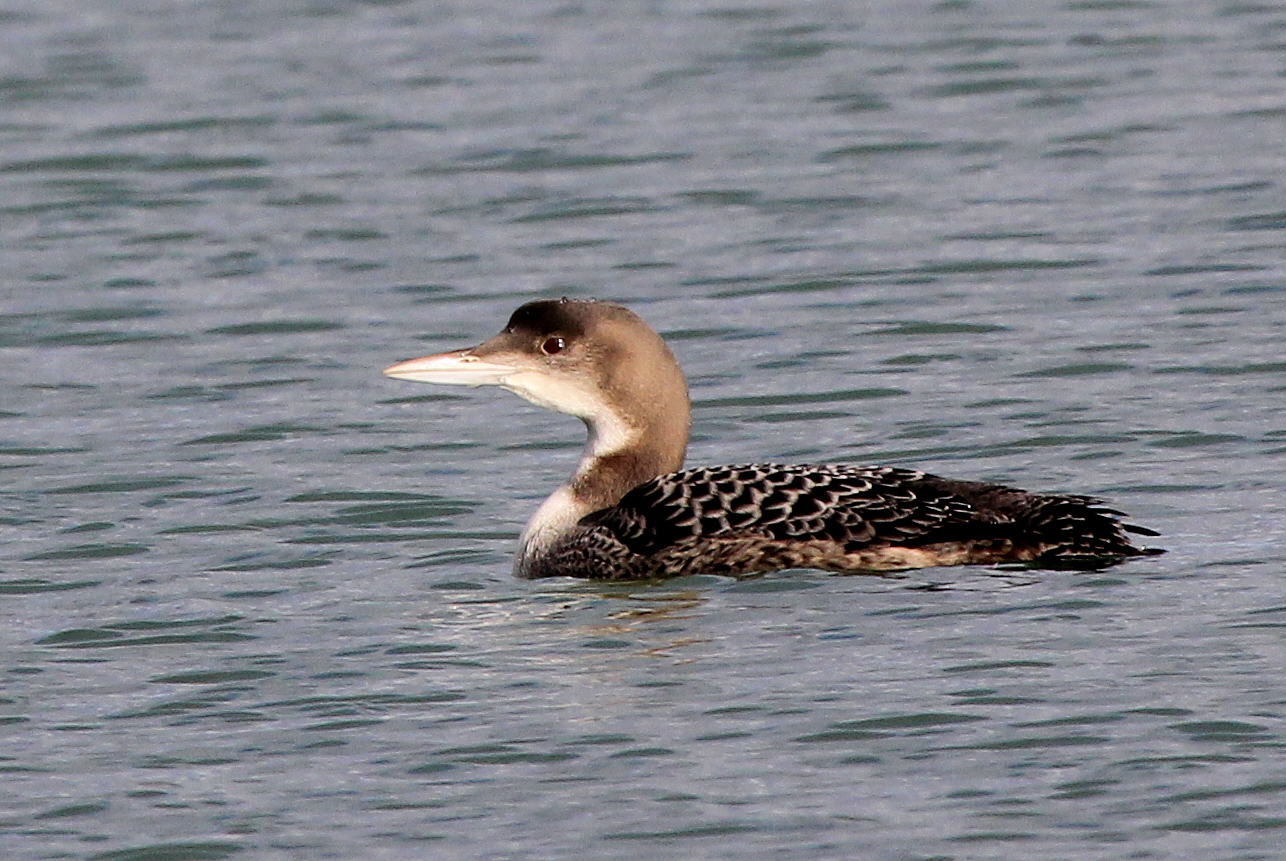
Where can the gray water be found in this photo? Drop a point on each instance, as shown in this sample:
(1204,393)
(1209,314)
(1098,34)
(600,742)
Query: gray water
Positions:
(256,597)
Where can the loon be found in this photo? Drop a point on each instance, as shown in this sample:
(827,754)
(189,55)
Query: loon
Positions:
(631,511)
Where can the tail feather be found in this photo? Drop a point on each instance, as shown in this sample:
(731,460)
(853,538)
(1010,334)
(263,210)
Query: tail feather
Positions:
(1140,530)
(1079,527)
(1060,529)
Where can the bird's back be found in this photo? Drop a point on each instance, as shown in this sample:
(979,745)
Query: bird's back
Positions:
(756,517)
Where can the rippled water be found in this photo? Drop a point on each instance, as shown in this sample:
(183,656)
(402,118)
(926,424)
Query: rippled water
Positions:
(257,599)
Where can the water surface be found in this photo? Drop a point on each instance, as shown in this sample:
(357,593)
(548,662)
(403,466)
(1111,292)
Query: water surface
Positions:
(257,599)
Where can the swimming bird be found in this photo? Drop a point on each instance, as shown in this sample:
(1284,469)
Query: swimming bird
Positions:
(630,511)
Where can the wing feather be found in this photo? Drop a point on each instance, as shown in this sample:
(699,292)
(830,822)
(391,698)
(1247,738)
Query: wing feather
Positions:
(850,505)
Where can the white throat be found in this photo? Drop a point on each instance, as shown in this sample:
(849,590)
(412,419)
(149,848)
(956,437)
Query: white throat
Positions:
(557,516)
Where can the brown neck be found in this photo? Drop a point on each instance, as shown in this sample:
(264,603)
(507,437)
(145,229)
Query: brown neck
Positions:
(644,436)
(602,480)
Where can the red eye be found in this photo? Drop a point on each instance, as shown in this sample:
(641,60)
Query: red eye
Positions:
(552,346)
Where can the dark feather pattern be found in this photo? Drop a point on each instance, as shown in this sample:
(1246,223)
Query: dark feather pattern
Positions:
(848,505)
(740,519)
